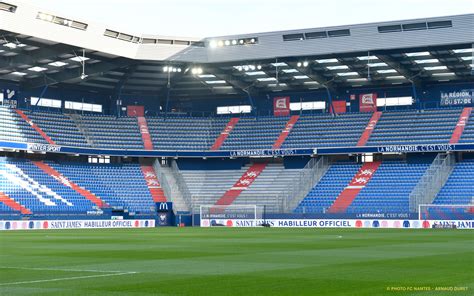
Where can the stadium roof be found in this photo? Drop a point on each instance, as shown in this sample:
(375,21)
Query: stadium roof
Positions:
(39,48)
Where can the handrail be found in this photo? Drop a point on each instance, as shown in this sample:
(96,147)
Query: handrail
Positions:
(432,181)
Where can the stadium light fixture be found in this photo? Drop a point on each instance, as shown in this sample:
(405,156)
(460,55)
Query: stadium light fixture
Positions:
(169,69)
(463,50)
(196,71)
(18,73)
(10,45)
(435,68)
(215,81)
(207,76)
(366,58)
(234,42)
(213,44)
(266,79)
(444,74)
(356,79)
(373,65)
(347,74)
(220,43)
(79,59)
(427,61)
(227,43)
(37,69)
(340,67)
(417,54)
(255,73)
(259,67)
(57,64)
(327,61)
(387,71)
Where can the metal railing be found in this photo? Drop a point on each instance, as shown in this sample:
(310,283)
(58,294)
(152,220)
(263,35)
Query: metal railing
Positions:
(77,119)
(181,184)
(432,181)
(304,182)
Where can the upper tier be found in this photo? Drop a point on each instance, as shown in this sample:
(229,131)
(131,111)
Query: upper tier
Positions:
(434,126)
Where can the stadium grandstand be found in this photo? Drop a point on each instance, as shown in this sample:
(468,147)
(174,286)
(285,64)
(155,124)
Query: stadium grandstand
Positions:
(365,129)
(369,120)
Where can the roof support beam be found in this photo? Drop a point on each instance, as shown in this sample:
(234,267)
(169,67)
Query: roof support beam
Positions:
(395,64)
(75,74)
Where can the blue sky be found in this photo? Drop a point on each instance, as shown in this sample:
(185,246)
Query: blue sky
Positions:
(205,18)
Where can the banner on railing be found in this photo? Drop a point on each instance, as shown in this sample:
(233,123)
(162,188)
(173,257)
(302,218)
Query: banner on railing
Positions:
(281,106)
(456,98)
(74,224)
(238,153)
(135,111)
(340,223)
(368,102)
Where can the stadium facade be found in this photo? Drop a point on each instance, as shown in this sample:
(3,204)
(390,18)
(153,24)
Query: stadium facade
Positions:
(350,126)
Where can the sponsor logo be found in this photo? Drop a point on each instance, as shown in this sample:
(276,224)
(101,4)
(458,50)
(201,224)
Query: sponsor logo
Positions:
(280,103)
(43,147)
(462,97)
(264,152)
(416,148)
(368,99)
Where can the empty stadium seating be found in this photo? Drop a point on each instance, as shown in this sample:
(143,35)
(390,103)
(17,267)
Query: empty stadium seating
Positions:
(119,186)
(255,133)
(387,191)
(14,128)
(208,186)
(459,189)
(323,195)
(434,126)
(415,127)
(59,127)
(184,133)
(113,132)
(326,130)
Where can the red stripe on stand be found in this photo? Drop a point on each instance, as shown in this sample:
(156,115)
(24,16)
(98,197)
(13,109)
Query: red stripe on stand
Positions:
(66,182)
(242,184)
(143,126)
(369,129)
(286,131)
(463,119)
(37,128)
(225,133)
(153,184)
(9,202)
(347,196)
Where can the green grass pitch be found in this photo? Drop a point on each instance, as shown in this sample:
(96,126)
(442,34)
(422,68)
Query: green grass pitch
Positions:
(237,261)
